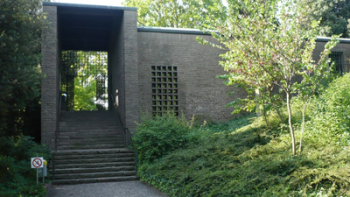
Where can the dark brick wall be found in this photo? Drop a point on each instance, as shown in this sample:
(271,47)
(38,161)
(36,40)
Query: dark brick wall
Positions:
(131,68)
(49,88)
(200,92)
(123,57)
(116,67)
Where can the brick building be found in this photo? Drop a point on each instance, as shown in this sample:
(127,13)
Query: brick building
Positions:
(149,69)
(153,69)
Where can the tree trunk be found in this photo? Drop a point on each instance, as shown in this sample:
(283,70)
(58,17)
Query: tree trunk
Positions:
(279,113)
(264,113)
(302,127)
(275,106)
(290,122)
(260,96)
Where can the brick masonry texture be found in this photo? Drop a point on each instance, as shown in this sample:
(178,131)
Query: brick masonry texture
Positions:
(200,92)
(131,68)
(49,88)
(116,67)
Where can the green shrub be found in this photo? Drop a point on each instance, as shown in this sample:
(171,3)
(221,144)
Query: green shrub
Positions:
(16,176)
(330,115)
(244,158)
(158,136)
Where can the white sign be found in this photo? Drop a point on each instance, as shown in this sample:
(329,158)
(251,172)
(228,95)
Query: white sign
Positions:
(37,162)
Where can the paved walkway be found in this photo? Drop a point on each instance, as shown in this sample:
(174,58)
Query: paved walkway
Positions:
(111,189)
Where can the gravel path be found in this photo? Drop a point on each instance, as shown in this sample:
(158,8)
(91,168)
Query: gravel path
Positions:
(112,189)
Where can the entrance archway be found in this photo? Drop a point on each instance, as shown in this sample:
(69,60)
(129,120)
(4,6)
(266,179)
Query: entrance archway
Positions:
(84,80)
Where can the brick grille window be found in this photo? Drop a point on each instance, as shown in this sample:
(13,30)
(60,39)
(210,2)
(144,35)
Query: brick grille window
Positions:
(337,58)
(164,90)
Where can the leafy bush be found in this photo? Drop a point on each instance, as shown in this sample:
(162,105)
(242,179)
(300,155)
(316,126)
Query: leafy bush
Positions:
(330,115)
(244,158)
(16,176)
(160,135)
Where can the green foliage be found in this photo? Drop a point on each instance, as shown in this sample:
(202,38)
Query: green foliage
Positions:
(268,45)
(334,14)
(20,44)
(183,14)
(16,176)
(331,114)
(81,71)
(158,136)
(243,157)
(84,95)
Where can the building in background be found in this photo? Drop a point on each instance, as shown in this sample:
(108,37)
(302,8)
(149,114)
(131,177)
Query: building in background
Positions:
(149,69)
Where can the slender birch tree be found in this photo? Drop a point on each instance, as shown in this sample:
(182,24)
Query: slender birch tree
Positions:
(269,44)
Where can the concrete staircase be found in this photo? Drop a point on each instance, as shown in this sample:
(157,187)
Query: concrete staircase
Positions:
(91,148)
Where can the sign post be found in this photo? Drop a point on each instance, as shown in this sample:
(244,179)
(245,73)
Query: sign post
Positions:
(37,162)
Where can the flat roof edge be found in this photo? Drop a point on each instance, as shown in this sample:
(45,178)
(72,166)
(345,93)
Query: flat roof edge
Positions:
(327,39)
(88,6)
(171,30)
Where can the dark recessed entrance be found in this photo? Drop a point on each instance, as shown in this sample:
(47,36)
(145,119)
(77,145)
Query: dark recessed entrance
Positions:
(86,37)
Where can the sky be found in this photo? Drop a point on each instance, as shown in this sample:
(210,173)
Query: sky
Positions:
(96,2)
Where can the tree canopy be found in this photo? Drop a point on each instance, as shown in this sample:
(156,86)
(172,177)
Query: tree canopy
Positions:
(267,48)
(335,16)
(179,14)
(21,23)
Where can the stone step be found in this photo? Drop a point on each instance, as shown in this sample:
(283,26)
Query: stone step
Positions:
(88,170)
(85,136)
(93,156)
(92,128)
(86,145)
(90,146)
(90,140)
(90,119)
(93,180)
(84,142)
(93,151)
(104,121)
(100,136)
(87,115)
(88,123)
(87,112)
(91,132)
(100,120)
(92,165)
(89,137)
(97,160)
(95,175)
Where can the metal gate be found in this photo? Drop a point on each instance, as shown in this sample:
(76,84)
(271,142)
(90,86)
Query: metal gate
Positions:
(337,58)
(84,80)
